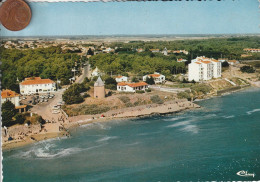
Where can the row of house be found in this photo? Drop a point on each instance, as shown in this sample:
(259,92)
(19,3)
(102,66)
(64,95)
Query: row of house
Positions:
(252,50)
(203,68)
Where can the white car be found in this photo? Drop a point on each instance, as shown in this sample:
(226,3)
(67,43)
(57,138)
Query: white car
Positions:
(55,111)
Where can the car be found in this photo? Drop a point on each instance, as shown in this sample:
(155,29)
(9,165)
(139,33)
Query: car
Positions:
(45,100)
(55,111)
(29,102)
(52,95)
(24,98)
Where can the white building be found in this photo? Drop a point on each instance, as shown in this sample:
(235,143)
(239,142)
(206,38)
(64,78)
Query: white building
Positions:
(158,78)
(165,52)
(121,79)
(10,95)
(131,87)
(34,85)
(233,62)
(252,50)
(181,60)
(96,72)
(203,68)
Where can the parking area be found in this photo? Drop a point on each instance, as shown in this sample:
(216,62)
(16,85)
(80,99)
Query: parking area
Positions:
(34,99)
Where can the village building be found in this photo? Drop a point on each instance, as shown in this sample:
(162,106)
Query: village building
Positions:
(203,68)
(99,89)
(131,87)
(11,96)
(35,85)
(233,62)
(96,72)
(140,50)
(155,50)
(14,98)
(181,60)
(158,78)
(121,79)
(165,52)
(252,50)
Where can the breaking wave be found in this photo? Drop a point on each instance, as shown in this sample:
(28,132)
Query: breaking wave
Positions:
(106,138)
(254,110)
(191,128)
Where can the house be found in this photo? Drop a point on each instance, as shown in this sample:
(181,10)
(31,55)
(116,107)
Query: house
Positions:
(108,50)
(131,87)
(10,95)
(165,52)
(252,50)
(121,79)
(203,68)
(140,50)
(34,85)
(180,51)
(233,62)
(155,50)
(181,60)
(158,78)
(96,72)
(14,98)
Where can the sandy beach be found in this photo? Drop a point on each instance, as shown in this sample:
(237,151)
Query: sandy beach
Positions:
(59,126)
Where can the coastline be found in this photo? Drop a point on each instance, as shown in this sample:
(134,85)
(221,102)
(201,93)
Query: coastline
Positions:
(169,107)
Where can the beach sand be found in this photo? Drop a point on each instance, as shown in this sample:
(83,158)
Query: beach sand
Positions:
(24,135)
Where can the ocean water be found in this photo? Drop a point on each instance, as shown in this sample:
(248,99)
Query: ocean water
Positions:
(211,143)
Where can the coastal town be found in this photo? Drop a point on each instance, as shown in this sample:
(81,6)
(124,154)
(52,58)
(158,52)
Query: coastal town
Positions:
(61,84)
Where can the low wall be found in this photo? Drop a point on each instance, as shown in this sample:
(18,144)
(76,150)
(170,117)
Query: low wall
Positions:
(219,92)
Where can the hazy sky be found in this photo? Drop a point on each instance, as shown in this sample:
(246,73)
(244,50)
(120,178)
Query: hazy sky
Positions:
(181,17)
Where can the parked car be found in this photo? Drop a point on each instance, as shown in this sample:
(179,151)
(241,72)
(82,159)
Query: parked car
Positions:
(29,102)
(55,111)
(45,100)
(24,98)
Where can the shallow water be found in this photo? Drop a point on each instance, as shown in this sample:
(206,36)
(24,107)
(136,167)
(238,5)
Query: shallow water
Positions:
(212,143)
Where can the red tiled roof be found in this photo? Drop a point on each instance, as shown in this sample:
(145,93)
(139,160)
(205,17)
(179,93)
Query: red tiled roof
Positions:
(119,76)
(132,84)
(206,62)
(214,60)
(155,75)
(36,81)
(197,63)
(8,94)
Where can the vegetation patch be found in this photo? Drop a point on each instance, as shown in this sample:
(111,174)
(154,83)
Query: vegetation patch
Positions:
(156,99)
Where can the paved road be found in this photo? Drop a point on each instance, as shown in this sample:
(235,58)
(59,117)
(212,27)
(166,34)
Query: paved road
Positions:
(85,73)
(168,89)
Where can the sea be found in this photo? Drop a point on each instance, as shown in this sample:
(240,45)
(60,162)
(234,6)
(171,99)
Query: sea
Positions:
(212,143)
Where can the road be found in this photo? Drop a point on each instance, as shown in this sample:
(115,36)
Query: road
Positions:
(85,73)
(168,89)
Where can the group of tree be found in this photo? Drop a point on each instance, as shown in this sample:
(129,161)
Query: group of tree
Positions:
(247,69)
(73,94)
(10,116)
(49,63)
(230,48)
(149,80)
(138,64)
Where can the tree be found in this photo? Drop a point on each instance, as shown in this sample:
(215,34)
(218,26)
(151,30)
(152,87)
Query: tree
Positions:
(247,69)
(72,94)
(90,52)
(19,118)
(110,83)
(8,112)
(225,64)
(150,80)
(134,79)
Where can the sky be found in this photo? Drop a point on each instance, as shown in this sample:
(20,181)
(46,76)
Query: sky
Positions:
(134,18)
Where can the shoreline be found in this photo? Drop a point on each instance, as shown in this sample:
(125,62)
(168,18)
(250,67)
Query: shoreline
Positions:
(128,113)
(169,107)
